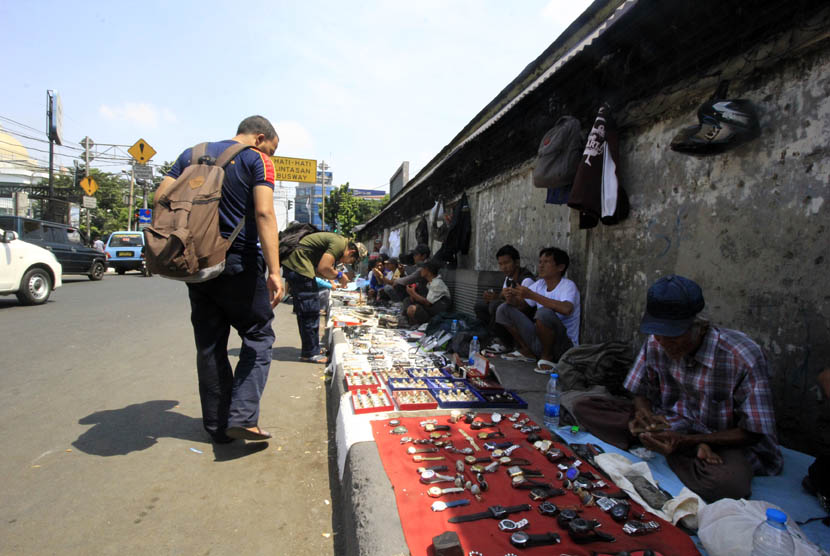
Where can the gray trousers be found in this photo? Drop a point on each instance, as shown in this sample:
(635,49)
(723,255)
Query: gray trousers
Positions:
(509,316)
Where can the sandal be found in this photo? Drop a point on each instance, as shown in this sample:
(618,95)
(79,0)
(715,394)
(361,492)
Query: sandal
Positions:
(319,358)
(544,367)
(241,433)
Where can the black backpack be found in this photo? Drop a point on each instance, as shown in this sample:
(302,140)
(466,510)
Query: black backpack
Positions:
(559,153)
(291,236)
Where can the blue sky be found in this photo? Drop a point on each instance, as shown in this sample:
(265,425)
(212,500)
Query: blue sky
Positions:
(363,85)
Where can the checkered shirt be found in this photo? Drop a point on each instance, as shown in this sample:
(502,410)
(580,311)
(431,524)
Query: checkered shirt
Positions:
(723,385)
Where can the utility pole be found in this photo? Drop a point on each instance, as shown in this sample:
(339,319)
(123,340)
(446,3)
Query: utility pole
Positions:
(87,144)
(130,205)
(323,187)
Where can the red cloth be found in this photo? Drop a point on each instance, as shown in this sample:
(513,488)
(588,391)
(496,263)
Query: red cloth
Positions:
(421,524)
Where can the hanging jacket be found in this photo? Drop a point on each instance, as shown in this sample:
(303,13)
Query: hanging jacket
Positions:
(597,193)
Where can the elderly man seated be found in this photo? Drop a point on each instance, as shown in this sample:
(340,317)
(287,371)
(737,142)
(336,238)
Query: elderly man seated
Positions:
(554,327)
(421,309)
(701,397)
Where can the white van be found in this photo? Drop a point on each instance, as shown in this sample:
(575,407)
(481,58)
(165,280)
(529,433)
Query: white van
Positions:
(26,270)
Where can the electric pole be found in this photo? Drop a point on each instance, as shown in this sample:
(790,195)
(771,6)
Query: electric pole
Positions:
(323,187)
(87,144)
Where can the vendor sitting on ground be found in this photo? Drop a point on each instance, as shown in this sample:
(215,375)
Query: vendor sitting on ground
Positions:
(437,300)
(374,286)
(396,290)
(701,398)
(485,308)
(554,327)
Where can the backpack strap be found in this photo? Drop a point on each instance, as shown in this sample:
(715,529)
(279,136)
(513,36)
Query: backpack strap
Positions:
(198,152)
(230,153)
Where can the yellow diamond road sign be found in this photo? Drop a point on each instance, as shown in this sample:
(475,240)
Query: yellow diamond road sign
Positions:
(89,185)
(141,151)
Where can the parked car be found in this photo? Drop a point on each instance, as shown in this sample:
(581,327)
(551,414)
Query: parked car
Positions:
(67,243)
(125,251)
(26,270)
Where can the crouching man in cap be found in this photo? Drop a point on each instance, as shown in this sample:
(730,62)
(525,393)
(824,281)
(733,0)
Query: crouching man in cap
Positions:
(701,397)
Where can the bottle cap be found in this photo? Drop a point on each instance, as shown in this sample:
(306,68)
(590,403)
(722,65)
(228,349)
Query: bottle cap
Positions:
(475,337)
(554,375)
(776,515)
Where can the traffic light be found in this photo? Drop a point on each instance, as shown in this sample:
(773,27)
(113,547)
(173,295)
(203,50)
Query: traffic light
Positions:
(290,203)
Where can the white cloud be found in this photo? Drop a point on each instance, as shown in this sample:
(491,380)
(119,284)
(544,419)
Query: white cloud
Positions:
(141,114)
(295,140)
(563,12)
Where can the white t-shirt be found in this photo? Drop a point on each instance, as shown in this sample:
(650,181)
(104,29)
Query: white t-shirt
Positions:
(436,290)
(565,290)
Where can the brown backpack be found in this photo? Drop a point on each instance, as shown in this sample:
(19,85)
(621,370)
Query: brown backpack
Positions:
(184,242)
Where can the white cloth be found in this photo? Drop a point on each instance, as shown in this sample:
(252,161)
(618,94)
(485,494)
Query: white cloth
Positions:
(395,243)
(565,290)
(726,528)
(686,504)
(436,290)
(610,184)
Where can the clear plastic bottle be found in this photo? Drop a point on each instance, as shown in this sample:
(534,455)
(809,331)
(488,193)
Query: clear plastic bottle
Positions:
(771,537)
(552,402)
(454,328)
(474,348)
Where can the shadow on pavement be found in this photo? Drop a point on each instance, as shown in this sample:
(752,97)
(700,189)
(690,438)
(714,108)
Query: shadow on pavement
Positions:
(117,432)
(237,449)
(285,353)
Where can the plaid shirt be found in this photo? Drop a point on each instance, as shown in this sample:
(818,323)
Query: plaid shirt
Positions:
(723,385)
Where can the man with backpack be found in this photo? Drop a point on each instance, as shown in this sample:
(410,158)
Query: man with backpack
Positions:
(316,254)
(243,295)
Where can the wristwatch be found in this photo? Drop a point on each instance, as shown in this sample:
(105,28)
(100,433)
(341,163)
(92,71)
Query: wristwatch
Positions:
(493,512)
(520,539)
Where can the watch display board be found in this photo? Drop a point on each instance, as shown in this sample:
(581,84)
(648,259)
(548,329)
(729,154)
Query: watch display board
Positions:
(362,380)
(410,400)
(370,401)
(418,494)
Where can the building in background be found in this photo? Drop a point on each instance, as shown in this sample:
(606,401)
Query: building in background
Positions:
(399,179)
(19,176)
(284,203)
(309,198)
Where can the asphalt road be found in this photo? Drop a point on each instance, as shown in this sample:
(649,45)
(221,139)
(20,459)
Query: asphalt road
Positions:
(102,447)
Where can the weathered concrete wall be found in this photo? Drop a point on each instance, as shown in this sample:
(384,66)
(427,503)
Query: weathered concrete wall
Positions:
(750,225)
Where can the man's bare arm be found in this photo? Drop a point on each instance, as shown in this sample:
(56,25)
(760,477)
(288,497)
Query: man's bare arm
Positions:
(266,225)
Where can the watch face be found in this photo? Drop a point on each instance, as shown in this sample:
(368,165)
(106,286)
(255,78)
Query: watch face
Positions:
(519,538)
(546,508)
(497,511)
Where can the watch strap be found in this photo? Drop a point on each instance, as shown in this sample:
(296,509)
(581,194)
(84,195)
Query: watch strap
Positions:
(488,514)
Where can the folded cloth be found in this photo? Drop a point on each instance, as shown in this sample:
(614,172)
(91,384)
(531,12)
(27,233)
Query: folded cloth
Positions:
(685,505)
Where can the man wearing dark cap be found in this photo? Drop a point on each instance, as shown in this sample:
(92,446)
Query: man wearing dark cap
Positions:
(701,397)
(396,289)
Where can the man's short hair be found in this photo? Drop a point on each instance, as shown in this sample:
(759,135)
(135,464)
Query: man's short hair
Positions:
(421,249)
(559,257)
(433,266)
(510,251)
(254,125)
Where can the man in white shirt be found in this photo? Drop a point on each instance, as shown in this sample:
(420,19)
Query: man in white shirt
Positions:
(555,326)
(437,300)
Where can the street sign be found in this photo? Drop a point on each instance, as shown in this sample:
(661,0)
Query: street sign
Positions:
(89,185)
(302,170)
(141,151)
(87,143)
(143,171)
(145,216)
(90,202)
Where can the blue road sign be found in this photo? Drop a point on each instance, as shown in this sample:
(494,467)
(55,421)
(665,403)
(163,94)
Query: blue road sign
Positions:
(145,216)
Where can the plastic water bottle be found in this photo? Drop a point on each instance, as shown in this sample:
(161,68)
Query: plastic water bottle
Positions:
(552,402)
(771,537)
(454,328)
(473,350)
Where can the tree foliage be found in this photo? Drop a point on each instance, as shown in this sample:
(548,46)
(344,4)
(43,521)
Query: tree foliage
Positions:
(112,212)
(344,211)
